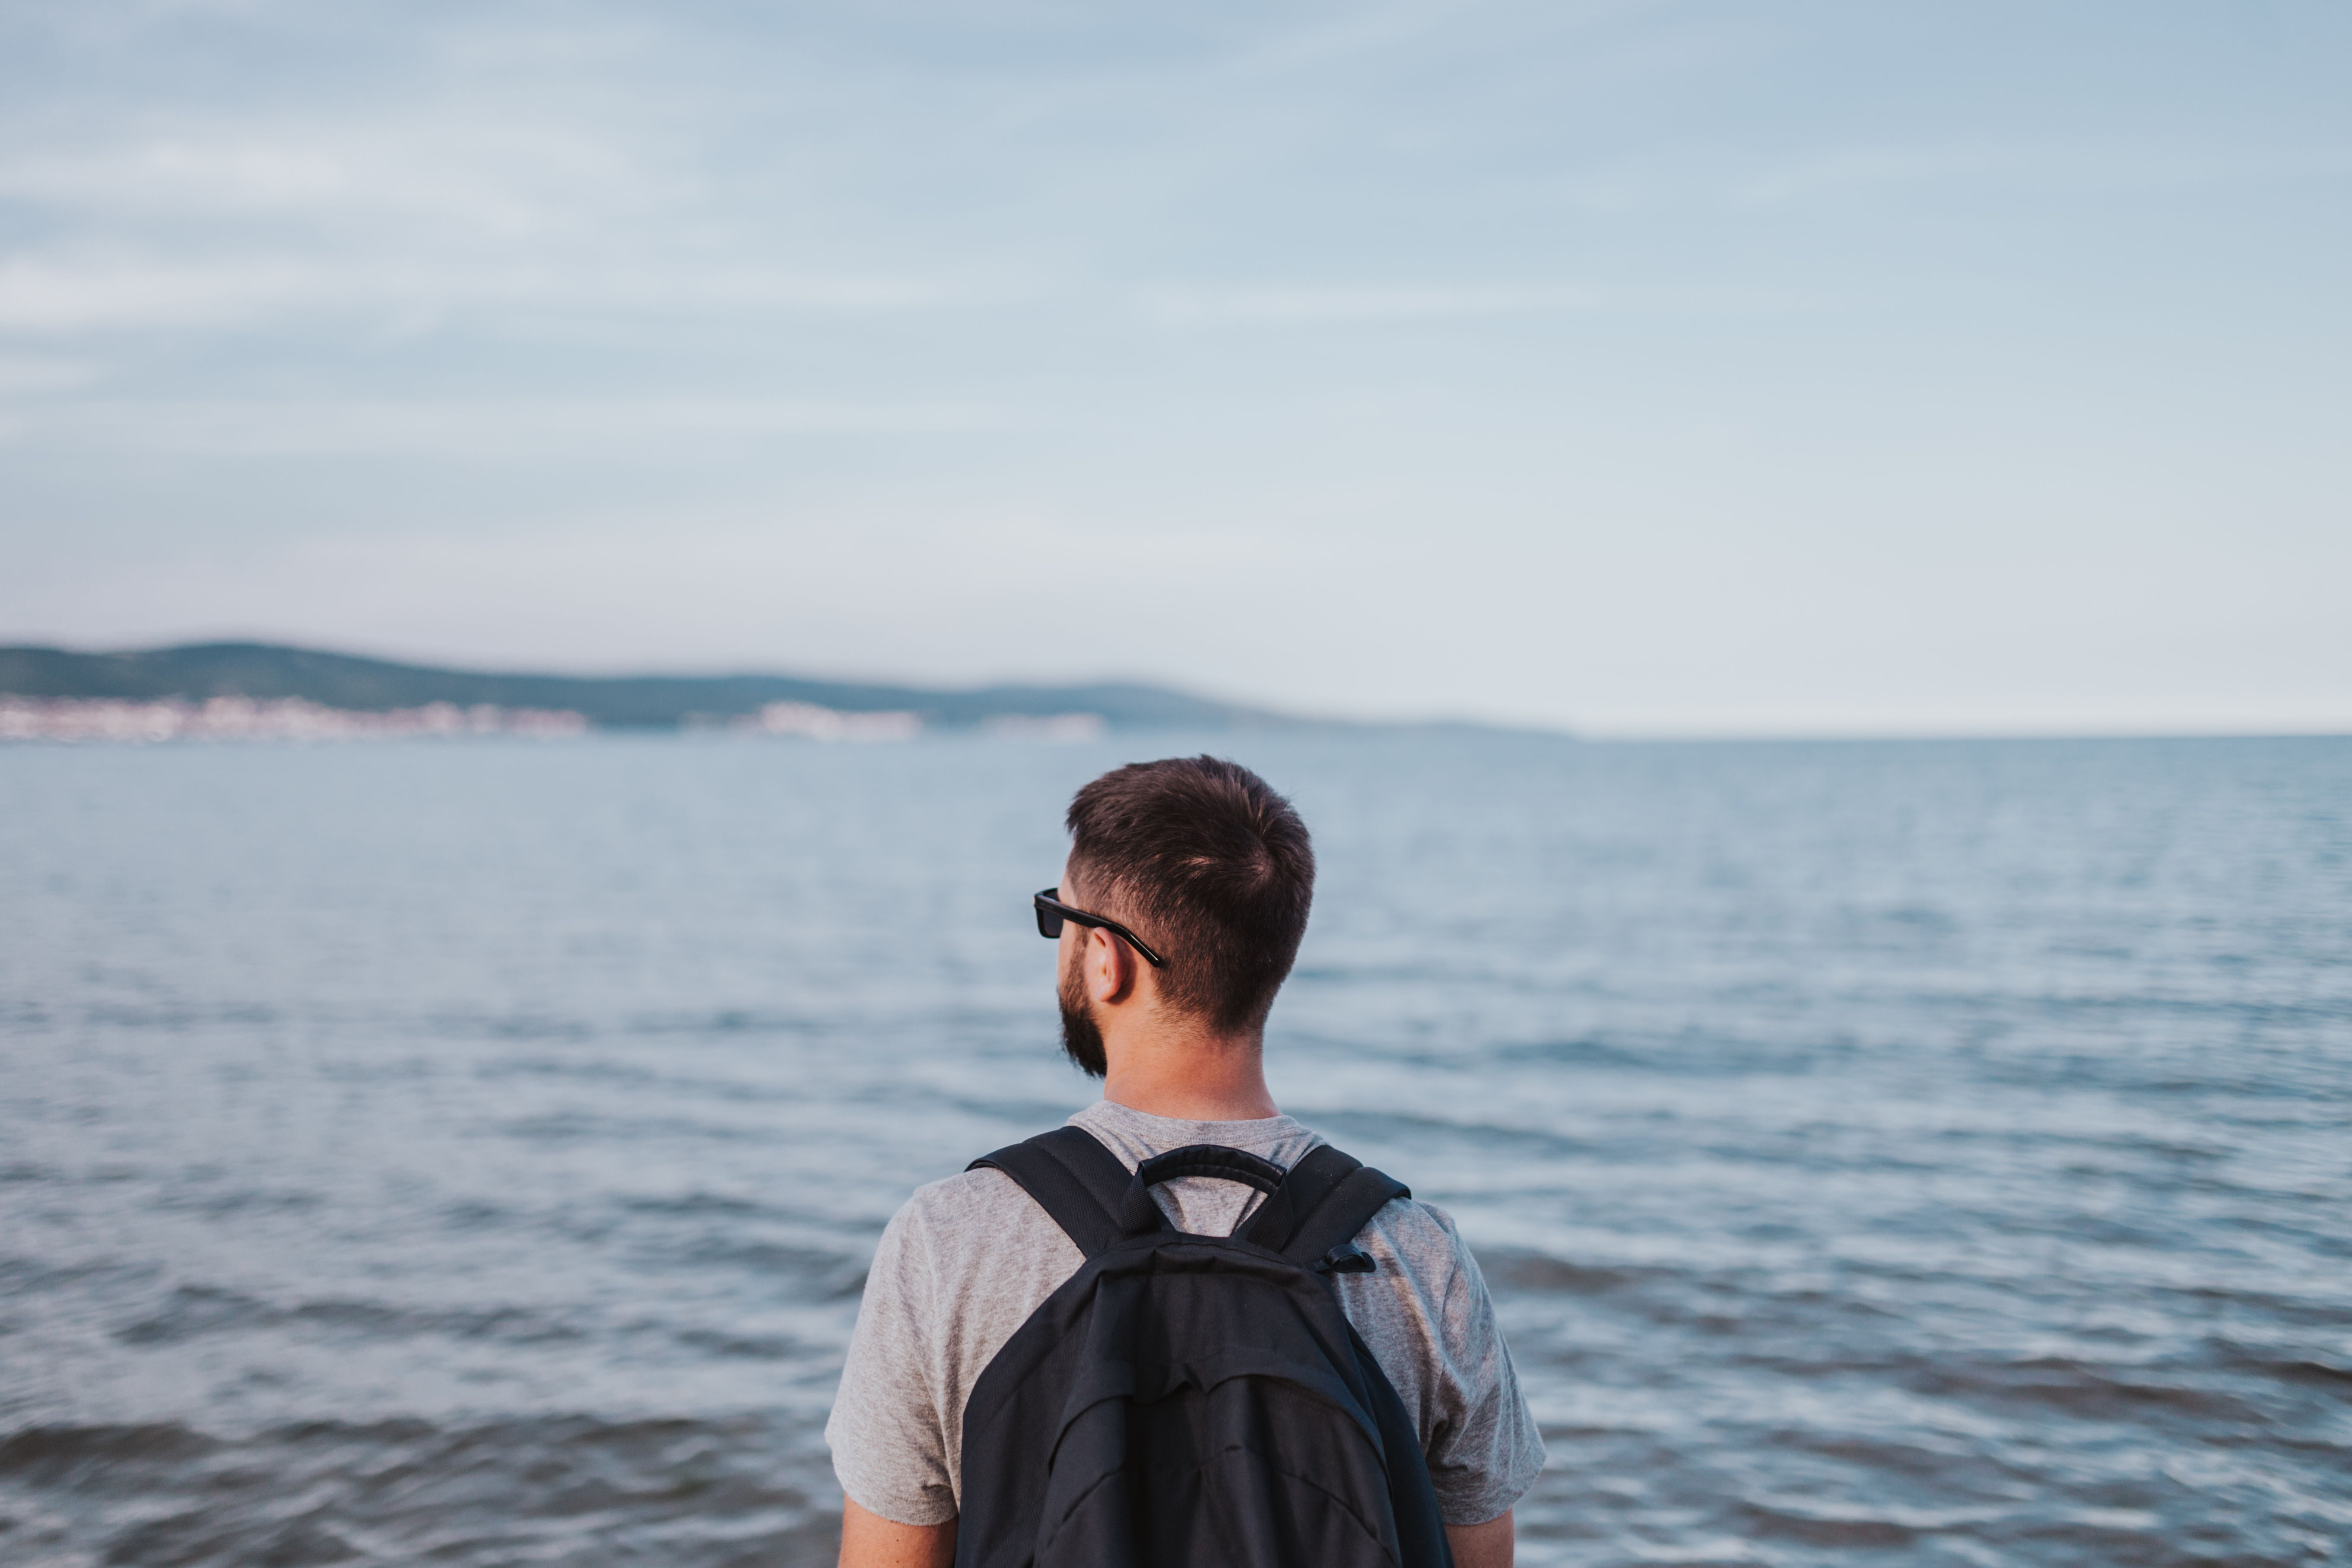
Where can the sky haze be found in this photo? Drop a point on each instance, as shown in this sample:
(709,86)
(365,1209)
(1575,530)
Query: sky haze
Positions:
(1642,368)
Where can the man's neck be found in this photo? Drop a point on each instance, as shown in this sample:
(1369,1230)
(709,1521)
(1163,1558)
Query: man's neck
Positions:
(1191,1079)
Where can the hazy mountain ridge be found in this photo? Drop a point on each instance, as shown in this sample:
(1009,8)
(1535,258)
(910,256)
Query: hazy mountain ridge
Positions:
(195,672)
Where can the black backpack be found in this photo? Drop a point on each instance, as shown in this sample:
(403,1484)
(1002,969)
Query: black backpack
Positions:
(1194,1400)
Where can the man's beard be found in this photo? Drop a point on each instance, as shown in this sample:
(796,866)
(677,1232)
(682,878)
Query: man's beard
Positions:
(1080,1038)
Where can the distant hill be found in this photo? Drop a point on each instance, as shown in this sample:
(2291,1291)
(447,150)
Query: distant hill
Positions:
(264,670)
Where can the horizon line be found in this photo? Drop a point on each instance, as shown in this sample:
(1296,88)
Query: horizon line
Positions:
(2205,726)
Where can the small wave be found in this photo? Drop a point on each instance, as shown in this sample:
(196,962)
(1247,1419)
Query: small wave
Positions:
(1821,1528)
(730,1021)
(584,1127)
(741,1347)
(825,1276)
(515,1027)
(24,1276)
(2080,1388)
(555,1487)
(2288,1367)
(474,1213)
(1536,1272)
(700,1202)
(1581,1051)
(194,1311)
(47,1454)
(220,1205)
(508,1325)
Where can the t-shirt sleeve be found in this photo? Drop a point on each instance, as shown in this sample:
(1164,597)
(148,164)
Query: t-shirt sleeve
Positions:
(887,1430)
(1481,1440)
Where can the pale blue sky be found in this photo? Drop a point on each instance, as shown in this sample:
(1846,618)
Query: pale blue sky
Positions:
(1646,368)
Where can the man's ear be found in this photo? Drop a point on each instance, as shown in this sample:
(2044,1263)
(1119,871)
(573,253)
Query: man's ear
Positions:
(1109,968)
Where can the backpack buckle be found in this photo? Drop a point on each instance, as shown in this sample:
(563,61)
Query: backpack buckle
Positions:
(1346,1259)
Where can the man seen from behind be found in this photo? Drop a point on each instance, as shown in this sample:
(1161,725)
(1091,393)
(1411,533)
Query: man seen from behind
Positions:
(1137,1318)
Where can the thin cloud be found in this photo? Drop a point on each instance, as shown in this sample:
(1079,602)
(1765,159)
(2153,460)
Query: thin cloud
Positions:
(58,294)
(487,176)
(1854,170)
(24,374)
(1345,304)
(514,428)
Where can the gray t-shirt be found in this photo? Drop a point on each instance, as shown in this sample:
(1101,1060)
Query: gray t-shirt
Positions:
(968,1259)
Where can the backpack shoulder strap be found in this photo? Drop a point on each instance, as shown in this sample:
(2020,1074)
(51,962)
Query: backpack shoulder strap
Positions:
(1077,1181)
(1325,1200)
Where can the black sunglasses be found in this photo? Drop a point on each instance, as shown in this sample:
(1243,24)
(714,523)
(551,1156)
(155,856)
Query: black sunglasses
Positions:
(1052,912)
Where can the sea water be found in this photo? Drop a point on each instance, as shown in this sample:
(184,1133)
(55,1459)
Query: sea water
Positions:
(470,1152)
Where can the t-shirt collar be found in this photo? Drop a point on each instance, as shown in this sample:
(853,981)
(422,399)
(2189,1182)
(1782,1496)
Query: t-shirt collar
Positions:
(1172,1133)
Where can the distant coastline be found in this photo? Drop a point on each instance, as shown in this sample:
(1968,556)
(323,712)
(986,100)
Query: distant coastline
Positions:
(269,691)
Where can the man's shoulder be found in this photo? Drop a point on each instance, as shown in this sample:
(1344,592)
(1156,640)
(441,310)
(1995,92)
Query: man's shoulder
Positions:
(955,1205)
(965,1260)
(966,1192)
(1420,1235)
(972,1217)
(1421,1217)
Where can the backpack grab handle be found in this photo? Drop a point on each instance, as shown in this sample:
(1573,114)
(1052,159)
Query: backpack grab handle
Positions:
(1211,1160)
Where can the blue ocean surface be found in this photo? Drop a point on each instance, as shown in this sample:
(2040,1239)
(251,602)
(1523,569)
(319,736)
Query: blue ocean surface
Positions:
(470,1152)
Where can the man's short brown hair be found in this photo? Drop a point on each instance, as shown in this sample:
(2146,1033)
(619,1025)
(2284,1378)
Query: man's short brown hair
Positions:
(1211,866)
